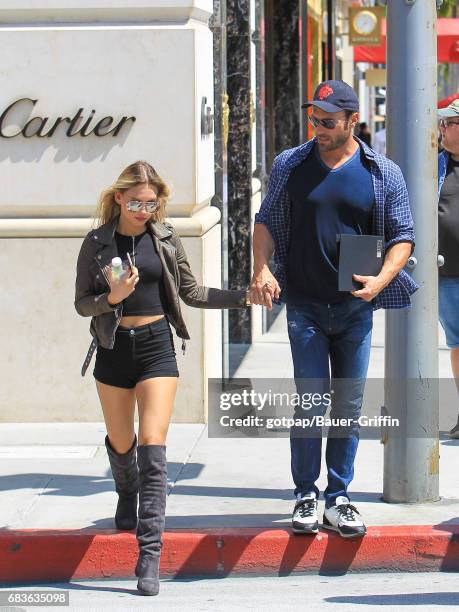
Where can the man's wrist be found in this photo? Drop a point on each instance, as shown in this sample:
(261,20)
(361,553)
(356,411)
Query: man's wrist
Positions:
(386,276)
(248,301)
(260,267)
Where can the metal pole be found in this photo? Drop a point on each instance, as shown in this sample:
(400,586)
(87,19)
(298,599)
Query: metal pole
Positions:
(411,358)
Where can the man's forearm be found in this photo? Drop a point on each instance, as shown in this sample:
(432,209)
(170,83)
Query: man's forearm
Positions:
(264,287)
(395,260)
(263,247)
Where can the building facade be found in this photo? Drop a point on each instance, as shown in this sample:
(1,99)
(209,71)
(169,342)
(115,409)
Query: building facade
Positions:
(208,92)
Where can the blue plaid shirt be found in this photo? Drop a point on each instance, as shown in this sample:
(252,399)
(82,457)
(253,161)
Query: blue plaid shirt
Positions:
(392,217)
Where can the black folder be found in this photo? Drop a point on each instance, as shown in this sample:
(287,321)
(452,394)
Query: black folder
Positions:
(358,254)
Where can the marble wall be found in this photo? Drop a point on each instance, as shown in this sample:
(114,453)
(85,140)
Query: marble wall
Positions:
(217,25)
(259,40)
(239,160)
(282,84)
(285,74)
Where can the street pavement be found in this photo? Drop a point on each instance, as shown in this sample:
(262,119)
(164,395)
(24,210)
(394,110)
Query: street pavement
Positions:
(363,592)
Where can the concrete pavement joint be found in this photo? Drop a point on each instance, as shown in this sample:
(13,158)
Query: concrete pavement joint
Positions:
(171,485)
(23,513)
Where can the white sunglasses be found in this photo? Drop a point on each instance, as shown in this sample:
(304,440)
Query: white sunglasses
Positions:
(135,206)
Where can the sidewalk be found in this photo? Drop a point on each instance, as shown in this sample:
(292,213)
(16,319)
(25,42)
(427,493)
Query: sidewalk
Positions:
(229,504)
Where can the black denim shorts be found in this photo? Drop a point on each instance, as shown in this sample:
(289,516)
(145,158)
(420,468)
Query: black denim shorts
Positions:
(140,352)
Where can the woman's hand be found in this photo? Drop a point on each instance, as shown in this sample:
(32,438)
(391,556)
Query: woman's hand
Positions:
(122,288)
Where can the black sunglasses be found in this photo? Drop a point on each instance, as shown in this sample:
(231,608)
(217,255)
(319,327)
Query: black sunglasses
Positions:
(329,124)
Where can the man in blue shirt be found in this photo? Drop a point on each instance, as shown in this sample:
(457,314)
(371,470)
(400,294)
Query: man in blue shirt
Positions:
(333,184)
(448,234)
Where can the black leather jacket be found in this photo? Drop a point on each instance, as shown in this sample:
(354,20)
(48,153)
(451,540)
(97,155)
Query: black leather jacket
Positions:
(91,290)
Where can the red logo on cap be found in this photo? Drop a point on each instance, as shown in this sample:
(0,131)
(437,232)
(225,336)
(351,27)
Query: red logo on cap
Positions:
(325,91)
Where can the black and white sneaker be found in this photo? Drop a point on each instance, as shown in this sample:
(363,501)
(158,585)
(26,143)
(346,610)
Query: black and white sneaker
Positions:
(345,519)
(305,518)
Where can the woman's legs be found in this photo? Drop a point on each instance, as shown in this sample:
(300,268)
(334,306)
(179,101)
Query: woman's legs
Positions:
(155,400)
(118,406)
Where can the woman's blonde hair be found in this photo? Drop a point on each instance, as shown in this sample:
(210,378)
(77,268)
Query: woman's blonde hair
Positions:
(138,173)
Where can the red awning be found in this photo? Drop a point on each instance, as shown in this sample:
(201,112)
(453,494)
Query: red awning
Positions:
(448,45)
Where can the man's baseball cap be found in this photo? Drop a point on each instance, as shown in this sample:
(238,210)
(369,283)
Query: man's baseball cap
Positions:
(334,96)
(450,111)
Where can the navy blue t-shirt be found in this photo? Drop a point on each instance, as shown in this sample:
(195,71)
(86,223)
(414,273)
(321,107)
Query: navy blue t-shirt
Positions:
(324,203)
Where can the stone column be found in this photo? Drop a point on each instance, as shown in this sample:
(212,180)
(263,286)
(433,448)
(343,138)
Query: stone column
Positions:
(283,85)
(82,60)
(220,199)
(260,180)
(286,74)
(239,160)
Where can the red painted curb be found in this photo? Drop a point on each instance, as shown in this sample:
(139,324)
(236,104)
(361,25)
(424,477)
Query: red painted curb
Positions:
(41,555)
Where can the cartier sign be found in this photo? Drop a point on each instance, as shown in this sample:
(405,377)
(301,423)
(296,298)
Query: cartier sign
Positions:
(82,123)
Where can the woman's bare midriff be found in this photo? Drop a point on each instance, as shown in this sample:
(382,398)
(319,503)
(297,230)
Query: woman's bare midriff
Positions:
(137,320)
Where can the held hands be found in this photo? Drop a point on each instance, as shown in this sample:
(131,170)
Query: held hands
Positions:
(121,288)
(372,285)
(263,288)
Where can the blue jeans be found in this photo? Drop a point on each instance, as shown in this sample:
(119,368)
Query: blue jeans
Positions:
(448,307)
(324,336)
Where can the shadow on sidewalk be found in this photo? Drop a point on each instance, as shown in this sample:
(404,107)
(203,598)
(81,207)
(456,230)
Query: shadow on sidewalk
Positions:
(337,559)
(79,485)
(446,441)
(399,599)
(241,492)
(198,522)
(57,484)
(74,585)
(450,562)
(72,485)
(254,493)
(287,554)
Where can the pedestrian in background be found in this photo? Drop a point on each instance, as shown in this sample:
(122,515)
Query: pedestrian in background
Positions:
(379,141)
(333,184)
(135,361)
(448,235)
(364,133)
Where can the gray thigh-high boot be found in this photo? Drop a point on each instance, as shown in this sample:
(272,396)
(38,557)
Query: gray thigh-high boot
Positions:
(151,459)
(126,476)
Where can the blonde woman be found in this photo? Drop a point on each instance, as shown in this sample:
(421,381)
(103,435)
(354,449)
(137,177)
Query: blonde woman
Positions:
(135,360)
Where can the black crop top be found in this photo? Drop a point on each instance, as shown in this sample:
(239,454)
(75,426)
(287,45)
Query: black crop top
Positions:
(148,297)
